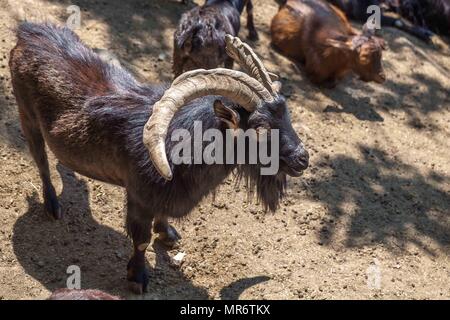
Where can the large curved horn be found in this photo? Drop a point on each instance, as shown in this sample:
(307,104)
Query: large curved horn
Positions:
(234,85)
(244,55)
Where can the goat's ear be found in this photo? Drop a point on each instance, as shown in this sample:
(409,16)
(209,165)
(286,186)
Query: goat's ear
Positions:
(273,76)
(382,43)
(226,114)
(338,44)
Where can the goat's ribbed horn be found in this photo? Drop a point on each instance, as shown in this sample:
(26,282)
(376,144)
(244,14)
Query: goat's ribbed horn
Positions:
(234,85)
(249,61)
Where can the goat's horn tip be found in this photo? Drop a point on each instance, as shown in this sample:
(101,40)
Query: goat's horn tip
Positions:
(166,175)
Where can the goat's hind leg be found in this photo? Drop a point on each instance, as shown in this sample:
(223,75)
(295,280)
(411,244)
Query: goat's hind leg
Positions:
(36,145)
(252,34)
(167,234)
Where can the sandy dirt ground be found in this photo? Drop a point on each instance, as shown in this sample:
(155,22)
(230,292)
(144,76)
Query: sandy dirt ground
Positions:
(375,201)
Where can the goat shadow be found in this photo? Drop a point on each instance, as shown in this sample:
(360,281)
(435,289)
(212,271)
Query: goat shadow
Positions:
(10,131)
(46,248)
(234,290)
(392,203)
(136,30)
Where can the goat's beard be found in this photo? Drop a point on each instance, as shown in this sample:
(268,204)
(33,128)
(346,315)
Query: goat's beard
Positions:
(269,189)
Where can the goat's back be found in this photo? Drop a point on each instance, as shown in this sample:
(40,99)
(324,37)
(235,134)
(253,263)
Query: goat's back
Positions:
(303,25)
(57,63)
(82,106)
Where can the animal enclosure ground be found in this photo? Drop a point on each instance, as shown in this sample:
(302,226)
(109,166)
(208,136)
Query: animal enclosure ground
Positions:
(377,194)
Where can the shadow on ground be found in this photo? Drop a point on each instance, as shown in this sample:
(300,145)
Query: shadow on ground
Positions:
(383,201)
(416,94)
(234,290)
(10,131)
(136,29)
(45,248)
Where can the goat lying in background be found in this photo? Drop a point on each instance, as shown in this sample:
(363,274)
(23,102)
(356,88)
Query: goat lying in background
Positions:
(317,34)
(100,122)
(437,16)
(199,41)
(428,14)
(357,10)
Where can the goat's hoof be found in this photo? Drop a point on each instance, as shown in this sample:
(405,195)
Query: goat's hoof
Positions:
(52,208)
(170,237)
(136,288)
(138,280)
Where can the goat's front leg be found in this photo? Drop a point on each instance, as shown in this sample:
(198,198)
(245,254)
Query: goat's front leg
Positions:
(167,234)
(138,225)
(252,34)
(399,23)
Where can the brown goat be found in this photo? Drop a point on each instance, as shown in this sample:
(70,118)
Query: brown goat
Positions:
(318,34)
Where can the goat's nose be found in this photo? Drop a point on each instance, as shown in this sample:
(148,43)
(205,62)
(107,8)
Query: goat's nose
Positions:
(302,157)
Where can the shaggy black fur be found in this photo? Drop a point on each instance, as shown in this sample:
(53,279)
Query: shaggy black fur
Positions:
(92,114)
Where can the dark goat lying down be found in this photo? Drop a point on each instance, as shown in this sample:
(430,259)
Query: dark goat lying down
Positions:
(199,41)
(428,14)
(102,123)
(357,10)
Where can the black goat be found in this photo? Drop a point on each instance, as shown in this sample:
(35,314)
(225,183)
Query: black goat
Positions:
(94,116)
(430,14)
(437,16)
(357,10)
(199,39)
